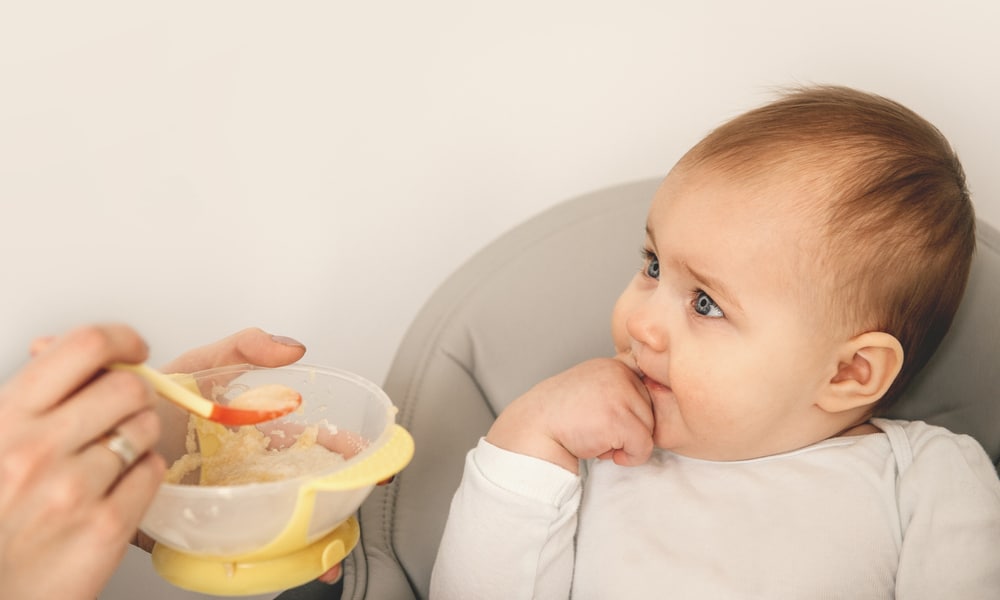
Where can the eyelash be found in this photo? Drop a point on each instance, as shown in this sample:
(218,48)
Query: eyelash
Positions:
(714,307)
(649,257)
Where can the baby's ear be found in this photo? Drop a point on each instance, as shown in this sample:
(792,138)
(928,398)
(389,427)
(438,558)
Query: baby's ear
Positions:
(867,366)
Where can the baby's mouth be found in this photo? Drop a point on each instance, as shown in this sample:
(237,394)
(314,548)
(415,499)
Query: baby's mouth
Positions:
(632,362)
(651,384)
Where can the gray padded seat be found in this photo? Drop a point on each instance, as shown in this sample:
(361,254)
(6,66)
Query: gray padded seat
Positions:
(539,300)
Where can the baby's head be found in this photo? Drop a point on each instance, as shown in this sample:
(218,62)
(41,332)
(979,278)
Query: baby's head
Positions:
(802,263)
(888,195)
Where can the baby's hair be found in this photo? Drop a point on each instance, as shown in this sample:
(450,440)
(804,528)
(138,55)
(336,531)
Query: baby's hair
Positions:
(894,209)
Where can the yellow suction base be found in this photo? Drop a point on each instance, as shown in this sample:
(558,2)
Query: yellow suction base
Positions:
(244,578)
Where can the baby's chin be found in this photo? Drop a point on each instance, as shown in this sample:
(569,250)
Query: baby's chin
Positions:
(669,434)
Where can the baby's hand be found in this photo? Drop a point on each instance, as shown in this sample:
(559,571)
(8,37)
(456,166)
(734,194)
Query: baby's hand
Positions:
(598,408)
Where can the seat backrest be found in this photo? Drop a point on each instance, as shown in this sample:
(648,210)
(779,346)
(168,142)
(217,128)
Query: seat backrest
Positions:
(535,302)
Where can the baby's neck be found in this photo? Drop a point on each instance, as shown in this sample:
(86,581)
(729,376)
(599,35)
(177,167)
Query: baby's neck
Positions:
(862,429)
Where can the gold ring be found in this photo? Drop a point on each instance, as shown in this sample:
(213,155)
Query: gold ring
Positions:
(122,448)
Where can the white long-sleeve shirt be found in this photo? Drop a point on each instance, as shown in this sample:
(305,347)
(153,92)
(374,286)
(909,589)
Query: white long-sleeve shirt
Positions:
(910,513)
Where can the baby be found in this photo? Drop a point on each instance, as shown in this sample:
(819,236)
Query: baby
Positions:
(801,265)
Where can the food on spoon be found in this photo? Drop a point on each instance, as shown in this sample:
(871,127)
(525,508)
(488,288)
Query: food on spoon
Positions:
(272,397)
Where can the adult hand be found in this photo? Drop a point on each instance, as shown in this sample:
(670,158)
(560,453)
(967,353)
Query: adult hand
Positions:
(69,504)
(597,409)
(252,346)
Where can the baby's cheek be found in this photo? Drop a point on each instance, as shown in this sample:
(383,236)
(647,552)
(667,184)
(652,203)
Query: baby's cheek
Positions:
(694,400)
(619,332)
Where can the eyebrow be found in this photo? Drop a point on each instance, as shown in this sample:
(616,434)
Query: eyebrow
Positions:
(713,284)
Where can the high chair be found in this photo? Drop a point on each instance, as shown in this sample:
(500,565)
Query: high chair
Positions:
(538,300)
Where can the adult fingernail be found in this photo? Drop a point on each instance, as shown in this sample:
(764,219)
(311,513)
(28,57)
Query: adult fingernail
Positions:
(326,578)
(287,341)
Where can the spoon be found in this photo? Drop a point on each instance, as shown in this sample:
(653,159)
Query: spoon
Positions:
(256,405)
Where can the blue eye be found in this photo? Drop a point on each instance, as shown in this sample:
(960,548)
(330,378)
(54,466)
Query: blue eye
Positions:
(651,264)
(706,307)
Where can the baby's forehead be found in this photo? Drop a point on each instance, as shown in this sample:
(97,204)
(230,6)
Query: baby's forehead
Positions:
(787,195)
(778,217)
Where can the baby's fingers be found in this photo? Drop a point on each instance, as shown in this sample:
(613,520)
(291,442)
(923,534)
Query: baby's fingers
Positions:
(634,445)
(637,429)
(630,457)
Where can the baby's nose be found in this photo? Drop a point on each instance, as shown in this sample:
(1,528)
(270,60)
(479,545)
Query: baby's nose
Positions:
(647,325)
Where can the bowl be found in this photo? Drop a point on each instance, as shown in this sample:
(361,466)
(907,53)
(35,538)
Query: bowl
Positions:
(261,520)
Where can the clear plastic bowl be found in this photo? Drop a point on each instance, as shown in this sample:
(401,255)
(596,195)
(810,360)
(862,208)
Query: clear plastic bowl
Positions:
(231,521)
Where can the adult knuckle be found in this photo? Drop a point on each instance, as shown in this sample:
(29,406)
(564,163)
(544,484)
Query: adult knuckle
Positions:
(90,339)
(67,493)
(107,342)
(15,470)
(245,341)
(22,461)
(108,525)
(61,421)
(130,386)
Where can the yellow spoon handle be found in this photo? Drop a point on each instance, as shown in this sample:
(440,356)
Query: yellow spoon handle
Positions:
(170,389)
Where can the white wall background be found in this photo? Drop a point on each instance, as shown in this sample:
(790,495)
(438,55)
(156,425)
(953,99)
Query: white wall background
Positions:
(317,168)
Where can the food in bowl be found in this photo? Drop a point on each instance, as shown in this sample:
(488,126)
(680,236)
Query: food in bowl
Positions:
(249,455)
(350,416)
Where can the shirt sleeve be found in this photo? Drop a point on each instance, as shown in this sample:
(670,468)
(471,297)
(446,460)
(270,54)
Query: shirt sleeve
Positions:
(949,500)
(510,530)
